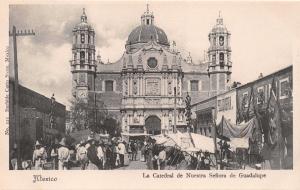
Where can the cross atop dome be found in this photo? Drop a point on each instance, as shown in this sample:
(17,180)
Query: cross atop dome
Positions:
(147,18)
(83,16)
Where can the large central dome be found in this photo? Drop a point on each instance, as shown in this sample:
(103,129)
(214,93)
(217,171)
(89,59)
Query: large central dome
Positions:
(146,32)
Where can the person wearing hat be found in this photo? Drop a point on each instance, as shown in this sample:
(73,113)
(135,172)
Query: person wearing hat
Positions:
(93,160)
(81,155)
(54,155)
(121,151)
(100,154)
(149,155)
(13,157)
(63,155)
(162,158)
(39,156)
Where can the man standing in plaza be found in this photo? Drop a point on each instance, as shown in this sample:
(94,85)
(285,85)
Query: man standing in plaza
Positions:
(93,160)
(63,155)
(121,150)
(162,159)
(39,156)
(100,155)
(81,155)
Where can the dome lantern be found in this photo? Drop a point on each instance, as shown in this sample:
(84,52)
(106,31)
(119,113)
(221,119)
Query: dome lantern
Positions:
(147,18)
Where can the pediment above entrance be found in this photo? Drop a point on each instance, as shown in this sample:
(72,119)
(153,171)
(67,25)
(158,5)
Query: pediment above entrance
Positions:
(151,57)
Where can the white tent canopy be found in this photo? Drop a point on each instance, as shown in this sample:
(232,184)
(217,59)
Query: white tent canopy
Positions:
(187,142)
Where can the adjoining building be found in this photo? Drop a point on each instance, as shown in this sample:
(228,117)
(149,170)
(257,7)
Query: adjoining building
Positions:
(236,105)
(260,90)
(141,88)
(34,115)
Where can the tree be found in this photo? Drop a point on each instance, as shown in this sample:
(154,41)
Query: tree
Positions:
(78,114)
(112,126)
(188,111)
(88,113)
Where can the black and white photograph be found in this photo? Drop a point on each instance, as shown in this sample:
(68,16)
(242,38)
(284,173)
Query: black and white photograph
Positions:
(149,94)
(152,85)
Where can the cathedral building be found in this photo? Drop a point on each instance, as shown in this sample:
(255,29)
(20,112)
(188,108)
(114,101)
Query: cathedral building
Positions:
(151,79)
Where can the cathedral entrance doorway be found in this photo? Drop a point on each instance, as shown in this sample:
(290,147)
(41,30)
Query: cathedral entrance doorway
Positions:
(153,125)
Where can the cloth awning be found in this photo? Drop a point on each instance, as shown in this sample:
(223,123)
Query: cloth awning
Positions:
(243,130)
(135,134)
(203,143)
(187,142)
(239,143)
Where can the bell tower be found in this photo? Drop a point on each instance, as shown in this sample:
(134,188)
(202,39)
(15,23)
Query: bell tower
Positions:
(83,64)
(219,54)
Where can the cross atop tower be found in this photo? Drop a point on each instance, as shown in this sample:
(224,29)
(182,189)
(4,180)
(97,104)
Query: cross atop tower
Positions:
(147,7)
(220,19)
(83,16)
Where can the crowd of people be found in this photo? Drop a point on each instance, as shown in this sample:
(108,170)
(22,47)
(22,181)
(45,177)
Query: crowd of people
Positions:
(109,154)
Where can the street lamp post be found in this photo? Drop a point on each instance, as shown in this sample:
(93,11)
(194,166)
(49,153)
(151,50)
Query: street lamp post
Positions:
(175,102)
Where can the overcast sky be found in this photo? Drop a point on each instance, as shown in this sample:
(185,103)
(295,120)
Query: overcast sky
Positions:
(264,36)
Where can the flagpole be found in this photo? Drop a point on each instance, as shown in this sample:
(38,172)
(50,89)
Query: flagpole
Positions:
(214,125)
(221,162)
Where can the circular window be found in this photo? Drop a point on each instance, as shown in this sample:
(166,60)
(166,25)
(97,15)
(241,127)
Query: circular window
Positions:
(152,62)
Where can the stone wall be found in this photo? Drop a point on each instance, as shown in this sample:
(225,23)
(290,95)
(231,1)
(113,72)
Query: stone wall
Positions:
(34,111)
(203,91)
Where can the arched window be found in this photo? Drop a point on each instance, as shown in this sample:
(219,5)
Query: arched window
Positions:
(221,40)
(82,58)
(89,57)
(109,86)
(213,59)
(89,38)
(221,60)
(82,38)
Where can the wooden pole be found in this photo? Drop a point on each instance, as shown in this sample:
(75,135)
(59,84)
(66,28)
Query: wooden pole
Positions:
(18,136)
(214,128)
(175,102)
(16,95)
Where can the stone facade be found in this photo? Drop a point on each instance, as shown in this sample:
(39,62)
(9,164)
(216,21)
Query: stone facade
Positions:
(139,88)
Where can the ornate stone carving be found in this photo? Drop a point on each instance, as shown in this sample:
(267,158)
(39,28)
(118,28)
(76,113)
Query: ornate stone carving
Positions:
(140,59)
(152,101)
(82,79)
(135,87)
(124,62)
(178,88)
(170,86)
(152,86)
(125,86)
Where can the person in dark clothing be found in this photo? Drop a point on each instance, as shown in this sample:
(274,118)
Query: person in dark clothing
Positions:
(155,154)
(94,161)
(149,155)
(133,147)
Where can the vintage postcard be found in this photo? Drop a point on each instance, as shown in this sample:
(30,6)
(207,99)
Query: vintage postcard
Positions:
(149,95)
